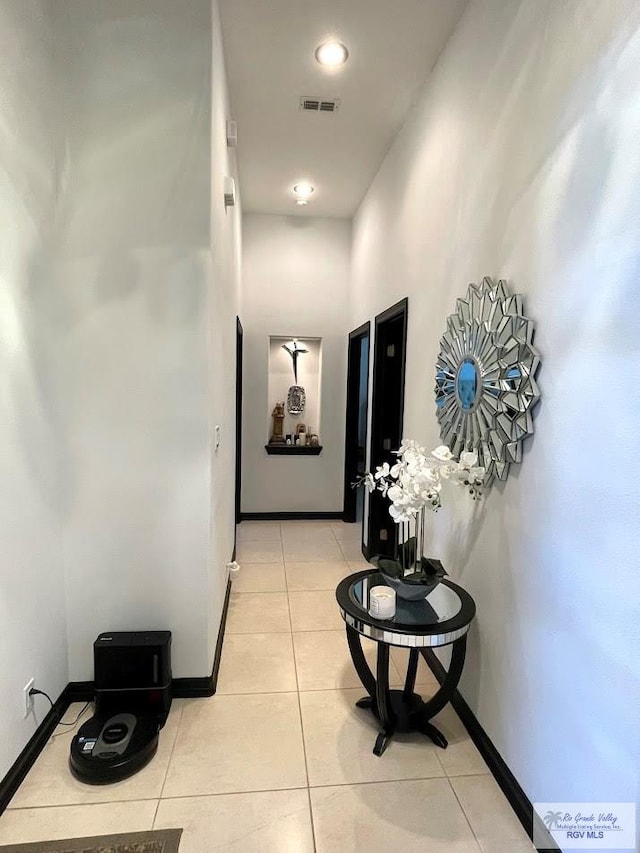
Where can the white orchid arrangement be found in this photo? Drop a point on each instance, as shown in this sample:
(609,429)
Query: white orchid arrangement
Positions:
(413,484)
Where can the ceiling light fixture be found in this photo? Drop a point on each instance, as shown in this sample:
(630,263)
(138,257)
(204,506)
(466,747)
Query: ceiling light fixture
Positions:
(302,201)
(332,54)
(303,190)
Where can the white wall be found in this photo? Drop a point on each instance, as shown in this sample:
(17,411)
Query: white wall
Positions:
(32,620)
(521,161)
(141,307)
(226,247)
(295,284)
(119,286)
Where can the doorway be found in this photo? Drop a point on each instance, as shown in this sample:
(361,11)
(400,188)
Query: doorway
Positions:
(355,449)
(387,416)
(239,350)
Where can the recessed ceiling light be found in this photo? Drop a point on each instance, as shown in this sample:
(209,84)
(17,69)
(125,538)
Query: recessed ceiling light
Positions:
(302,201)
(332,53)
(303,189)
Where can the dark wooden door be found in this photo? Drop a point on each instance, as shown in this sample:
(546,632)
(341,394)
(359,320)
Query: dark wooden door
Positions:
(239,347)
(387,415)
(355,449)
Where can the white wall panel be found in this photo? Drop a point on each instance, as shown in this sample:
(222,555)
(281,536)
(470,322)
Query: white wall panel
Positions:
(295,283)
(521,161)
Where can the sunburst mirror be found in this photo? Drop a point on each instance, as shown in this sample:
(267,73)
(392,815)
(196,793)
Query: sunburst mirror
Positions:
(485,377)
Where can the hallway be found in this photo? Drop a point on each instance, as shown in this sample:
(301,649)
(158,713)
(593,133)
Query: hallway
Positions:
(279,760)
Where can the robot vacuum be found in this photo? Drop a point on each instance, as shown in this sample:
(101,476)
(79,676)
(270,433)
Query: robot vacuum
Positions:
(132,702)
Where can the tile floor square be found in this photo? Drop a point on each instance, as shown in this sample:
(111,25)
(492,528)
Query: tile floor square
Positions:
(339,740)
(460,758)
(259,551)
(260,577)
(491,817)
(352,552)
(265,822)
(257,663)
(315,611)
(302,529)
(323,661)
(231,744)
(317,575)
(312,549)
(23,826)
(408,817)
(259,531)
(258,613)
(344,530)
(424,677)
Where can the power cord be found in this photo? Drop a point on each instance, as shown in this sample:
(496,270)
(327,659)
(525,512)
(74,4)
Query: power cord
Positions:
(34,692)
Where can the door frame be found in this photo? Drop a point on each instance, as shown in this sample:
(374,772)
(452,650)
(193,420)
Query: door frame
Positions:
(353,415)
(239,359)
(399,309)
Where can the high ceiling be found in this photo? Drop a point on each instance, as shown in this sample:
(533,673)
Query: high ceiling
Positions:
(269,48)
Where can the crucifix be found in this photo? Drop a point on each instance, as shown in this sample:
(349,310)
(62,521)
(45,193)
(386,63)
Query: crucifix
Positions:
(294,351)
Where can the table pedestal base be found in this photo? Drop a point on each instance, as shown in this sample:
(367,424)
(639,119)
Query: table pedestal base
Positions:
(408,715)
(403,710)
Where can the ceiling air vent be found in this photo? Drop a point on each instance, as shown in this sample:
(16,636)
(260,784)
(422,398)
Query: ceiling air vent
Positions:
(319,105)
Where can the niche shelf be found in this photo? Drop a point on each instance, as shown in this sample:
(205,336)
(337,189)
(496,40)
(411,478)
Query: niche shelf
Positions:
(280,380)
(292,450)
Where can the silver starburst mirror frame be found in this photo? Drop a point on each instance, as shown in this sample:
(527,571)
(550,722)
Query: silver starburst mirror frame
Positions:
(485,377)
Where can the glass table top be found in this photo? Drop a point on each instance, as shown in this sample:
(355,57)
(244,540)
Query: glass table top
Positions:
(441,604)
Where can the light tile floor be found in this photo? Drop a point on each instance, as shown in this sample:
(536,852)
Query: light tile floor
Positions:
(280,760)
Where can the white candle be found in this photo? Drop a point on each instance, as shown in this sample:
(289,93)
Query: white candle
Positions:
(382,602)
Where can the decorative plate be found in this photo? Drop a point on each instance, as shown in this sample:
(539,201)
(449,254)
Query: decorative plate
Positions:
(296,399)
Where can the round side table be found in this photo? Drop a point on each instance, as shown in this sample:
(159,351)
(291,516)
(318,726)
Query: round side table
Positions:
(441,619)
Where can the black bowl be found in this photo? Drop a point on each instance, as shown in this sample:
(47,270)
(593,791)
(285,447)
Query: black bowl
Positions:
(411,591)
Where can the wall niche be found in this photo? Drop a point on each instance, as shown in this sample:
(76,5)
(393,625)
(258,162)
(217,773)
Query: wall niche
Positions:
(293,416)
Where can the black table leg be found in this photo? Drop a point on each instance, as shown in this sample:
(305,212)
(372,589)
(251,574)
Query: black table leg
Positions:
(362,668)
(448,686)
(383,700)
(444,694)
(412,671)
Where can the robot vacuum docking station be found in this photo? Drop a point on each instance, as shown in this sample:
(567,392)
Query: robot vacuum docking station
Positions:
(132,702)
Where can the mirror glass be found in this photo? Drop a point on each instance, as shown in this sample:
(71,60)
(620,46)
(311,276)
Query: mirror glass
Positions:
(467,384)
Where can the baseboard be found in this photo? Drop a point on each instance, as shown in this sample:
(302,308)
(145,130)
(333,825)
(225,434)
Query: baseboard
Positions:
(80,691)
(201,688)
(83,691)
(291,516)
(25,761)
(508,783)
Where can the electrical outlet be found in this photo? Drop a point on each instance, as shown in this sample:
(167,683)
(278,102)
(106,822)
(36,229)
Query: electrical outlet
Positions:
(28,700)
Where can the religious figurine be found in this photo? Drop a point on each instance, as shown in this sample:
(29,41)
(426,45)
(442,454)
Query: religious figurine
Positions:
(277,414)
